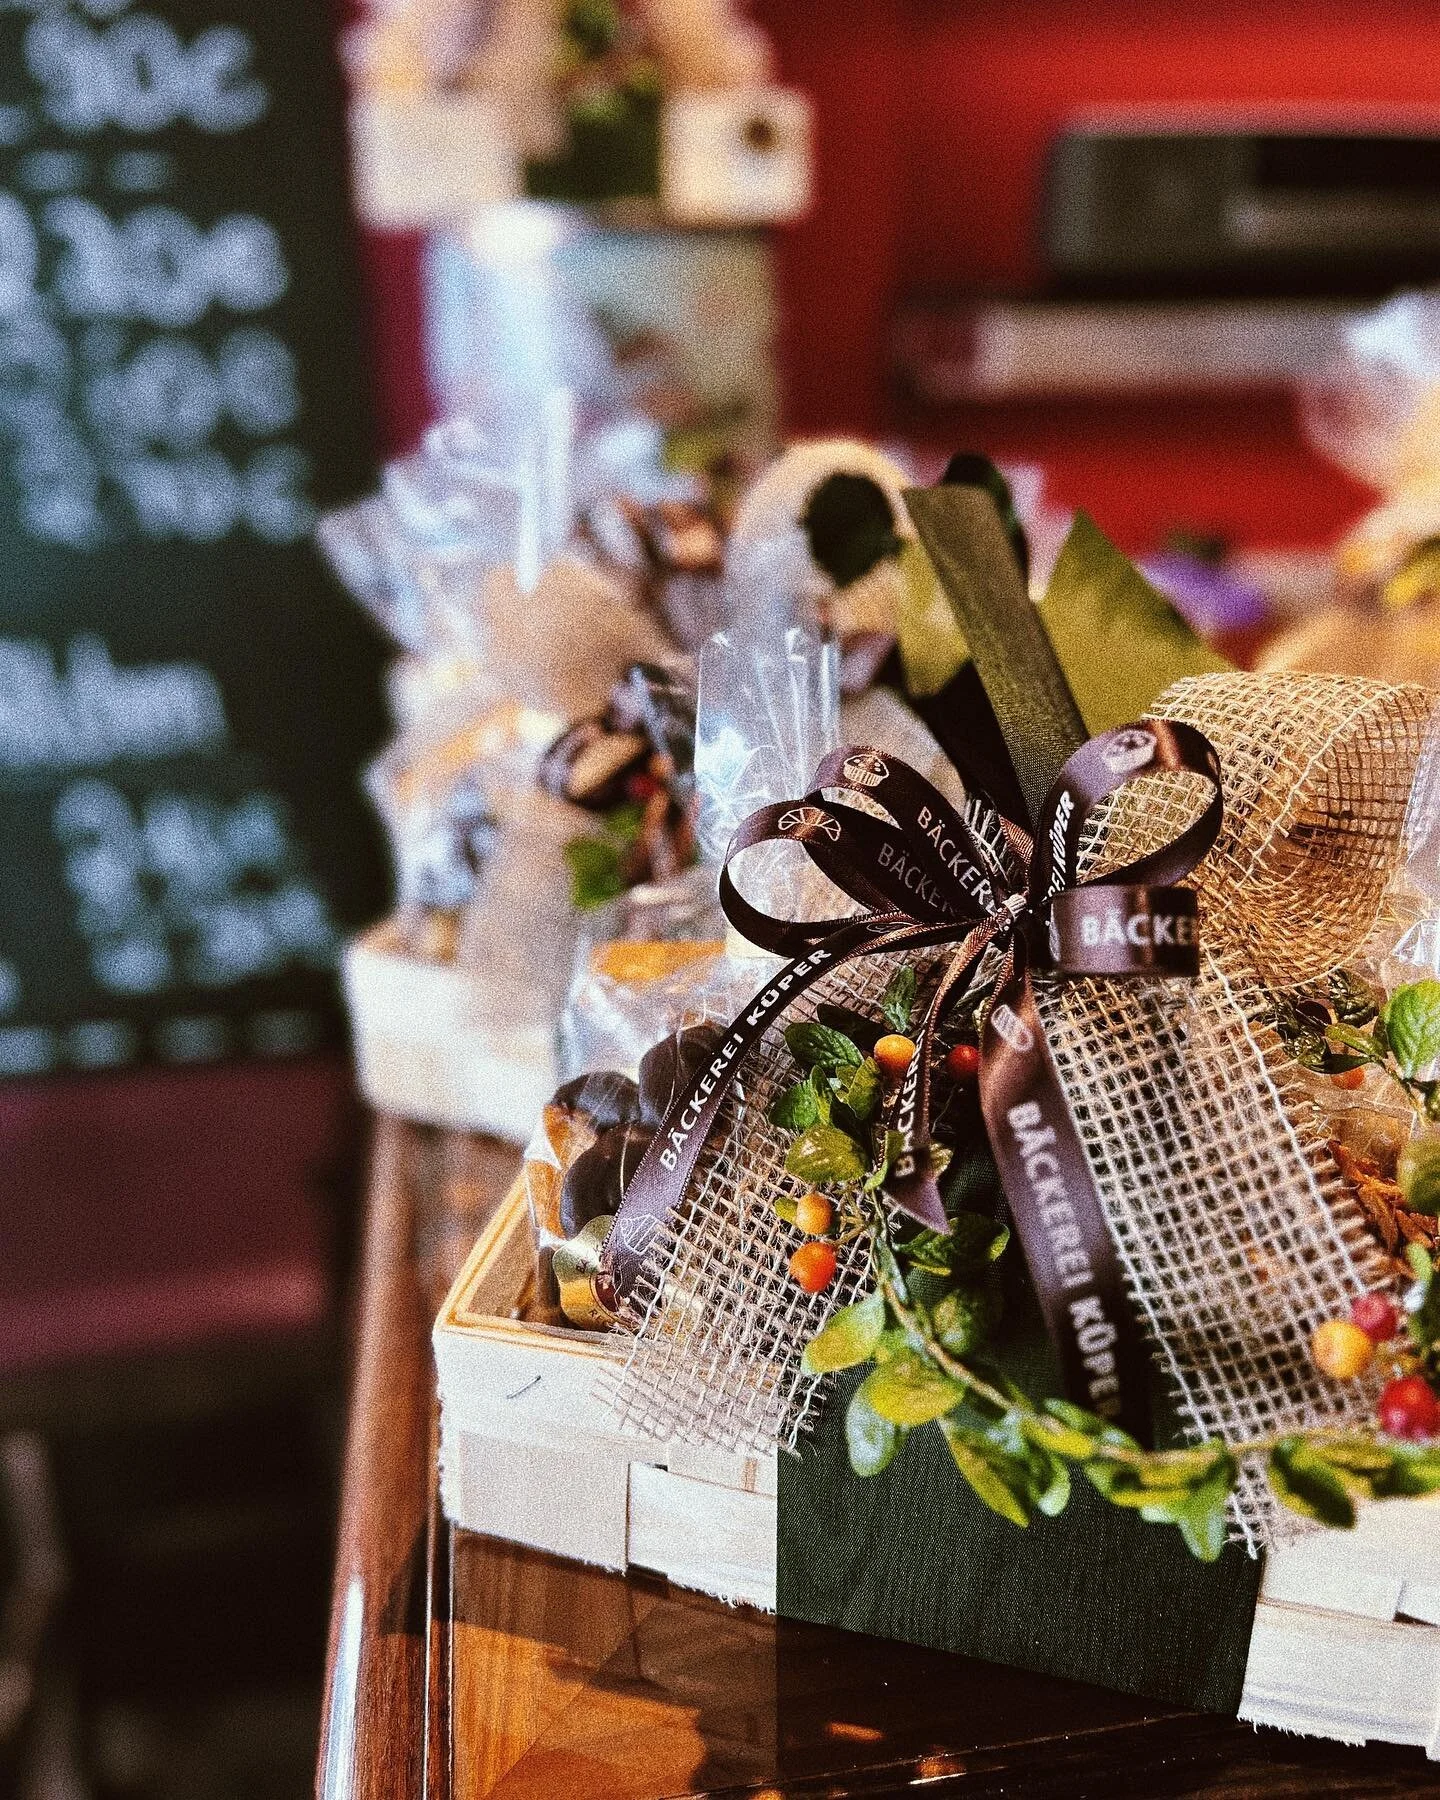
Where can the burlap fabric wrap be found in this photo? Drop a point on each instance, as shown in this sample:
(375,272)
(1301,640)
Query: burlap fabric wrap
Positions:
(1235,1231)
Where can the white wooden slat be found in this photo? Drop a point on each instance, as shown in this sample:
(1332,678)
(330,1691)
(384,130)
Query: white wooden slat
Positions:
(719,1540)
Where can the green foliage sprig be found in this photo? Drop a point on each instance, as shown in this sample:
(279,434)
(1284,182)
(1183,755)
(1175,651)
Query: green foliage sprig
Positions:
(924,1328)
(1341,1026)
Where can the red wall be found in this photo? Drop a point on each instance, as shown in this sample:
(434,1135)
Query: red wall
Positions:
(933,121)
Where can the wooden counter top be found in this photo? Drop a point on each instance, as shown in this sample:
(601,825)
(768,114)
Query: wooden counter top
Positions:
(467,1668)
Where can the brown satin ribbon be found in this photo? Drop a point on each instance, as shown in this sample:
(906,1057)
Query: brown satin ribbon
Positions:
(927,878)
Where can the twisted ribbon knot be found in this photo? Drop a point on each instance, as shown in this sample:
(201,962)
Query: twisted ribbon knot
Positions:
(925,875)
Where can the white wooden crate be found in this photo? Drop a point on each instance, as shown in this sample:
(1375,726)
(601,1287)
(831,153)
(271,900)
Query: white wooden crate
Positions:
(528,1454)
(1347,1633)
(1346,1642)
(424,1049)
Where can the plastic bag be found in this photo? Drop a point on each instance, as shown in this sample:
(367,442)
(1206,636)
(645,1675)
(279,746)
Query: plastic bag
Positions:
(657,985)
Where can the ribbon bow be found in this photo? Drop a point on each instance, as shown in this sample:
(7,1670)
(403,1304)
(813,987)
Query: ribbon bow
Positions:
(928,875)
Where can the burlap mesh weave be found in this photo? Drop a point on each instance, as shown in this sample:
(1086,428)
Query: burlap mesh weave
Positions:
(1234,1230)
(717,1357)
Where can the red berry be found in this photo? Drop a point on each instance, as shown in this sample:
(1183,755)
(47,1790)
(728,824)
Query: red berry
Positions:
(812,1267)
(963,1062)
(1408,1408)
(1377,1316)
(641,786)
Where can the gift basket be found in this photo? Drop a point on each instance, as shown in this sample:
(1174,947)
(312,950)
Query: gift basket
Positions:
(1034,1258)
(540,802)
(460,104)
(1376,413)
(527,783)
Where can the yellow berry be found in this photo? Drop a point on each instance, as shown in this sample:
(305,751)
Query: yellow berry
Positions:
(814,1214)
(893,1053)
(1341,1350)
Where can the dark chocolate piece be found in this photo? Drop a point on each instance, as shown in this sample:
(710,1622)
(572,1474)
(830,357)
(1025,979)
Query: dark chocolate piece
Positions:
(667,1066)
(595,1182)
(606,1097)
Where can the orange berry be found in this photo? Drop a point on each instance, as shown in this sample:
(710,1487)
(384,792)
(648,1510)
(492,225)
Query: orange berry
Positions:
(1341,1350)
(814,1214)
(1350,1079)
(963,1062)
(893,1053)
(812,1267)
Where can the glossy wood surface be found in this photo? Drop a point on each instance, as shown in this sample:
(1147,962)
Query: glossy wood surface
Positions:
(462,1668)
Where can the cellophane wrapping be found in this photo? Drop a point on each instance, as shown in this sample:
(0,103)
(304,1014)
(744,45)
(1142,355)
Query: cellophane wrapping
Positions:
(1235,1230)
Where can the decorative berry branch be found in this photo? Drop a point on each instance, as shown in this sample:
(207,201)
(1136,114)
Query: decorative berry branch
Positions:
(936,1302)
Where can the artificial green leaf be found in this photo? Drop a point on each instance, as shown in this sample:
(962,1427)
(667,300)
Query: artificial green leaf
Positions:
(1088,1423)
(975,1241)
(1362,1454)
(898,1000)
(909,1390)
(1360,1044)
(1417,578)
(892,1342)
(1059,1439)
(997,1378)
(1047,1480)
(850,1337)
(869,1439)
(971,1245)
(624,822)
(1412,1472)
(1418,1172)
(796,1108)
(861,1091)
(1173,1468)
(1119,642)
(596,871)
(1304,1483)
(1168,1508)
(927,1250)
(862,1032)
(1052,1496)
(892,1147)
(814,1044)
(997,1479)
(1122,1487)
(786,1208)
(1203,1523)
(1351,997)
(932,646)
(966,1317)
(1109,1475)
(1422,1303)
(1412,1023)
(824,1153)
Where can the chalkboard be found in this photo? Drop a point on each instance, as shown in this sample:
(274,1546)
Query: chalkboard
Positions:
(185,697)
